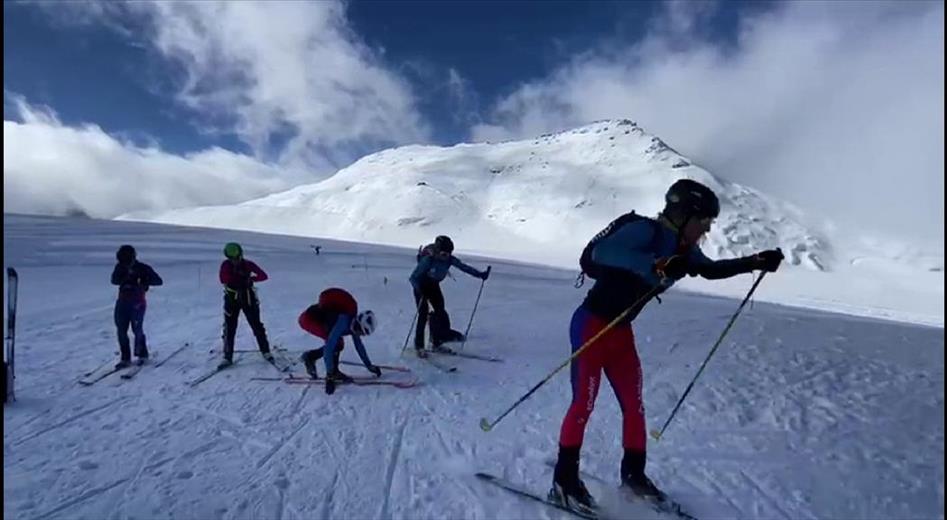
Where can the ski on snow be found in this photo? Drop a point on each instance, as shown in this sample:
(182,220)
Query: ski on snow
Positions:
(451,352)
(358,381)
(526,493)
(106,369)
(171,355)
(137,365)
(669,506)
(212,373)
(100,373)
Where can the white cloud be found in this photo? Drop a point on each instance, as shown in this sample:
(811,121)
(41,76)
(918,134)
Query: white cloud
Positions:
(838,106)
(302,74)
(291,79)
(52,169)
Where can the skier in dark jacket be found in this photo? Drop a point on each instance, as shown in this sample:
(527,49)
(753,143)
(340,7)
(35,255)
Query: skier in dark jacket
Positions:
(634,257)
(133,279)
(332,318)
(238,275)
(434,262)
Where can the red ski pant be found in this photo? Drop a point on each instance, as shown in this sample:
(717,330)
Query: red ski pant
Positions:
(614,353)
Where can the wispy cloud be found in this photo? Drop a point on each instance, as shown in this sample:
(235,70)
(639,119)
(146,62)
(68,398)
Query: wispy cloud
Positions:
(53,169)
(290,79)
(837,106)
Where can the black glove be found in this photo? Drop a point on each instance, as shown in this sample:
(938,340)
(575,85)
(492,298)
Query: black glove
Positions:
(374,370)
(330,386)
(674,267)
(486,274)
(769,260)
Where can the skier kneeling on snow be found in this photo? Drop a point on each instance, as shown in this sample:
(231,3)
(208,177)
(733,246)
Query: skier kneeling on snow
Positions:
(629,259)
(333,317)
(434,261)
(238,276)
(133,279)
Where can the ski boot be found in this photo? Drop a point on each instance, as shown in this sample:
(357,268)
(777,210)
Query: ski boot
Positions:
(421,353)
(568,490)
(635,481)
(339,377)
(123,363)
(439,347)
(225,363)
(334,378)
(309,361)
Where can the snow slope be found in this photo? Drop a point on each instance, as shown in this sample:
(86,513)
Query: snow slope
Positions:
(541,200)
(801,413)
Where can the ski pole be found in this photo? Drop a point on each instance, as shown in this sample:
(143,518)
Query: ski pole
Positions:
(657,434)
(487,425)
(413,320)
(477,302)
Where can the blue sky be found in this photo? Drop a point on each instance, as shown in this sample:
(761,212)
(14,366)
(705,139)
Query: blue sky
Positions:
(492,46)
(802,100)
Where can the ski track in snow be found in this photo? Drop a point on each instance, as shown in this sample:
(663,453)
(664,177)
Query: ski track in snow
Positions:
(800,414)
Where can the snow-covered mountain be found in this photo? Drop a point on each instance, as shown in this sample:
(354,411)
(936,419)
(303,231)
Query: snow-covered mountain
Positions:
(540,200)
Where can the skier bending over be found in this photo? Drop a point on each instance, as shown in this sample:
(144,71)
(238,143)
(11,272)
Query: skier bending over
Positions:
(333,317)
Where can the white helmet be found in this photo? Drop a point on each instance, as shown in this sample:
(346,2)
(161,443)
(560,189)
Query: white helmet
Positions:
(364,323)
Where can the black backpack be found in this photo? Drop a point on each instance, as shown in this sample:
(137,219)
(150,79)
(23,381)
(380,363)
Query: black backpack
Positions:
(588,266)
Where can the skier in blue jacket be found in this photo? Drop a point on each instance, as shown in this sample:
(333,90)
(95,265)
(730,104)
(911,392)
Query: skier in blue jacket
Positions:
(434,262)
(632,260)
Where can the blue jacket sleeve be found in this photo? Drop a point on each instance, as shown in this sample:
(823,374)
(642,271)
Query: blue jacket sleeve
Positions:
(423,266)
(338,330)
(454,261)
(360,348)
(717,269)
(629,248)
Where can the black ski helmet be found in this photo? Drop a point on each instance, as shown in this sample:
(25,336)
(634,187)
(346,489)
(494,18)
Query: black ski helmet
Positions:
(125,254)
(444,244)
(691,199)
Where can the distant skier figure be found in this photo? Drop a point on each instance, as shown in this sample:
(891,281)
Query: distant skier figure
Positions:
(133,279)
(629,258)
(334,316)
(238,276)
(434,261)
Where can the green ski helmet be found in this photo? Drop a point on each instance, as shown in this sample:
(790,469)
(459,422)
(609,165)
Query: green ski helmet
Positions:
(233,251)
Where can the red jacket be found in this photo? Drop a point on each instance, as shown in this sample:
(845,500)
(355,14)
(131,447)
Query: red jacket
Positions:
(239,275)
(319,319)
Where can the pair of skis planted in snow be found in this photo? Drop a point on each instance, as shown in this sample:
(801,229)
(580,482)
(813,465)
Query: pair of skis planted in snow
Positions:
(106,369)
(438,364)
(667,506)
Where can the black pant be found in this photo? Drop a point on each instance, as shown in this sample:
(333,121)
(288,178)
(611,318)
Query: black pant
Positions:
(247,302)
(430,293)
(130,312)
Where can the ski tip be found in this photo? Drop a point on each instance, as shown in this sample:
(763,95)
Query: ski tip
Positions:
(485,425)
